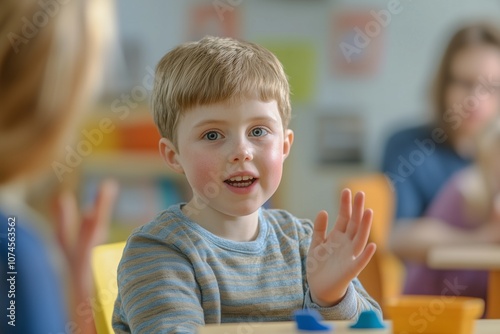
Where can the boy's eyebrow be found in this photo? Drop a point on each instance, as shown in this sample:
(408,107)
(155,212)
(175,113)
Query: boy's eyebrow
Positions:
(263,118)
(209,121)
(221,121)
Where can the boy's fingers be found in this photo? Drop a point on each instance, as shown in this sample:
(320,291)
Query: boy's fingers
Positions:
(344,212)
(357,214)
(363,233)
(362,260)
(319,231)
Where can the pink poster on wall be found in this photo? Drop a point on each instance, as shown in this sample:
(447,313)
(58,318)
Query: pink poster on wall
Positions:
(210,19)
(358,39)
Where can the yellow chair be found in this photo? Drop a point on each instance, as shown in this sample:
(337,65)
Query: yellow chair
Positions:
(105,260)
(383,277)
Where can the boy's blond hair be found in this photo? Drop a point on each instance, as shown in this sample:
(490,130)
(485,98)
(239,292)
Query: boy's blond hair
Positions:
(215,70)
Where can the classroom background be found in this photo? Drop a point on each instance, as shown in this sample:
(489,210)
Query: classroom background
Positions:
(359,70)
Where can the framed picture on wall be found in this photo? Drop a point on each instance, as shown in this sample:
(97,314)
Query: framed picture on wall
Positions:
(340,138)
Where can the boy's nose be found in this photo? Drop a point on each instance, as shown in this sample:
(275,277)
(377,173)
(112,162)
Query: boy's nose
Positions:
(241,152)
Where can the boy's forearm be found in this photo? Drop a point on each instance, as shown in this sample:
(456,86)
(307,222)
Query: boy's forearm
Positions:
(333,299)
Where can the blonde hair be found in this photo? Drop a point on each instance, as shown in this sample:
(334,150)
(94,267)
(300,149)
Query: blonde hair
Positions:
(49,62)
(215,70)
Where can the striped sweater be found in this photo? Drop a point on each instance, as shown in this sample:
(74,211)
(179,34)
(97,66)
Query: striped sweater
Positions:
(174,276)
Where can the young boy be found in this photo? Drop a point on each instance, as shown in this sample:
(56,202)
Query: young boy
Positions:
(222,107)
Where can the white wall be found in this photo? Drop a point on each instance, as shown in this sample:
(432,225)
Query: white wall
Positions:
(414,40)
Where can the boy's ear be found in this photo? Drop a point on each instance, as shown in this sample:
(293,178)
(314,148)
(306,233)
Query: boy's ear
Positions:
(287,143)
(170,155)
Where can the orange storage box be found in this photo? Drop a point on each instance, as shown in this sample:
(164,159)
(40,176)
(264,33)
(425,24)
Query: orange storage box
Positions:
(434,314)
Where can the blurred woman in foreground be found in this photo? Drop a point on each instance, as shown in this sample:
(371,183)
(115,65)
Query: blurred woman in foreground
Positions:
(50,63)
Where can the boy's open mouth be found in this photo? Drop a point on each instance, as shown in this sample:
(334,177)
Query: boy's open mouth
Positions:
(241,181)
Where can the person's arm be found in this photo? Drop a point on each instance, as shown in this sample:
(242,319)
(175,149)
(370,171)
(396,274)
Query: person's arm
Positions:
(443,223)
(157,289)
(92,227)
(411,239)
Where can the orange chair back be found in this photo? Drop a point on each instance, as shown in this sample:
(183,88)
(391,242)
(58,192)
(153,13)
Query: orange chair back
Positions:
(383,276)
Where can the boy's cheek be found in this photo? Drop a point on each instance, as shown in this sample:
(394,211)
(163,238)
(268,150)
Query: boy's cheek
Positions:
(204,173)
(277,172)
(274,170)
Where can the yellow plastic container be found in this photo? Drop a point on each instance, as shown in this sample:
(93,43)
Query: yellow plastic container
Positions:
(434,314)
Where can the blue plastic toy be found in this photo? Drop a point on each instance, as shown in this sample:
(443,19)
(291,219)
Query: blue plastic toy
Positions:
(310,320)
(368,319)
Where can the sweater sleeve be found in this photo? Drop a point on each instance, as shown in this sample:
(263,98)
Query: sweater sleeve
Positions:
(157,289)
(354,302)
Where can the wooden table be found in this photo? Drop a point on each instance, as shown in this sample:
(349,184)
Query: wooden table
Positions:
(340,327)
(473,257)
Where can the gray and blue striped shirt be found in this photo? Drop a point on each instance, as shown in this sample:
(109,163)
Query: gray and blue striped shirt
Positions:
(175,276)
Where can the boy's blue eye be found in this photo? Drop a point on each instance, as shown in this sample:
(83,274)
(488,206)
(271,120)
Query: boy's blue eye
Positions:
(258,132)
(212,135)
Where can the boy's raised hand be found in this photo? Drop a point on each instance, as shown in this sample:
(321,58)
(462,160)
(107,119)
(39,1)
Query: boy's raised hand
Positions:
(334,260)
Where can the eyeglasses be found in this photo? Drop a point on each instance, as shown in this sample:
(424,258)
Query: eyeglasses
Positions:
(480,85)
